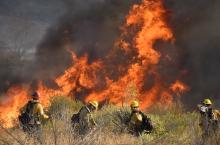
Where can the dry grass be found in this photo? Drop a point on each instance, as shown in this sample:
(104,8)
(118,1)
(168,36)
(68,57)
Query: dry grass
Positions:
(172,127)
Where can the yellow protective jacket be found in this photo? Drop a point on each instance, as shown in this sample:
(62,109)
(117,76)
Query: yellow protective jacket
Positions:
(86,120)
(38,110)
(136,119)
(208,119)
(216,114)
(139,123)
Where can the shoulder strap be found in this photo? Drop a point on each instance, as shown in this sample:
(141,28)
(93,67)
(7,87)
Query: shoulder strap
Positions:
(142,113)
(145,117)
(87,108)
(84,108)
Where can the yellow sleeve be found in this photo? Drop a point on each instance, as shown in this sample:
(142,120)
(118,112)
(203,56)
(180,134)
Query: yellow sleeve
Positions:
(40,111)
(218,113)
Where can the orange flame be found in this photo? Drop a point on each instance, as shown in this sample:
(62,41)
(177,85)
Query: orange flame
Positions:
(148,18)
(179,87)
(10,104)
(80,75)
(145,24)
(149,15)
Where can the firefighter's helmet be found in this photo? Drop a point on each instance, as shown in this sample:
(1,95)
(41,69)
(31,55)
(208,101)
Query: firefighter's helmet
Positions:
(35,95)
(207,102)
(134,104)
(94,104)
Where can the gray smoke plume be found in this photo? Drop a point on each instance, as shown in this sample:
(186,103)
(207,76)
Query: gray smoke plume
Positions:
(196,27)
(23,22)
(87,27)
(92,26)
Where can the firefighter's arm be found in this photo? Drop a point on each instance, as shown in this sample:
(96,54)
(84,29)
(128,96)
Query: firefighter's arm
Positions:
(92,120)
(218,113)
(40,110)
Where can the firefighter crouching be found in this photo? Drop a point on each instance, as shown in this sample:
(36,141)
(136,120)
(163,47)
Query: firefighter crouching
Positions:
(84,118)
(32,114)
(209,118)
(139,123)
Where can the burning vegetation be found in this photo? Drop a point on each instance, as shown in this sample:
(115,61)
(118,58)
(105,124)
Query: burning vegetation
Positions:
(132,62)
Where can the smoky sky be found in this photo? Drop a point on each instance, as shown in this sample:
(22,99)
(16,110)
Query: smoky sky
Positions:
(92,26)
(87,27)
(22,24)
(196,28)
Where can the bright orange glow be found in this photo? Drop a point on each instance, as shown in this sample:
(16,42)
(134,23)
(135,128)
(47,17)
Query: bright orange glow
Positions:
(178,87)
(79,75)
(86,81)
(10,104)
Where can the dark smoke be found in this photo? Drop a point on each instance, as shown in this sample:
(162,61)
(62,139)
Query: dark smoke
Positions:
(22,23)
(91,26)
(196,27)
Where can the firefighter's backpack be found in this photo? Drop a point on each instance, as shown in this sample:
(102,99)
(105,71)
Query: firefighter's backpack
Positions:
(27,117)
(75,118)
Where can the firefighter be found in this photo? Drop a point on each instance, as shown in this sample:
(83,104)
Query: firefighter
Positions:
(32,114)
(85,117)
(209,117)
(139,123)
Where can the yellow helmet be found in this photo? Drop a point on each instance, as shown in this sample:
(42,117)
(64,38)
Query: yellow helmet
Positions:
(94,103)
(134,104)
(207,102)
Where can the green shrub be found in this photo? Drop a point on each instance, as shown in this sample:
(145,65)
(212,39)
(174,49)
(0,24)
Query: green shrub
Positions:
(112,118)
(172,125)
(63,106)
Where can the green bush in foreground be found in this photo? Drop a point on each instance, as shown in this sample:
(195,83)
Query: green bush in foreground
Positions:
(172,127)
(63,104)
